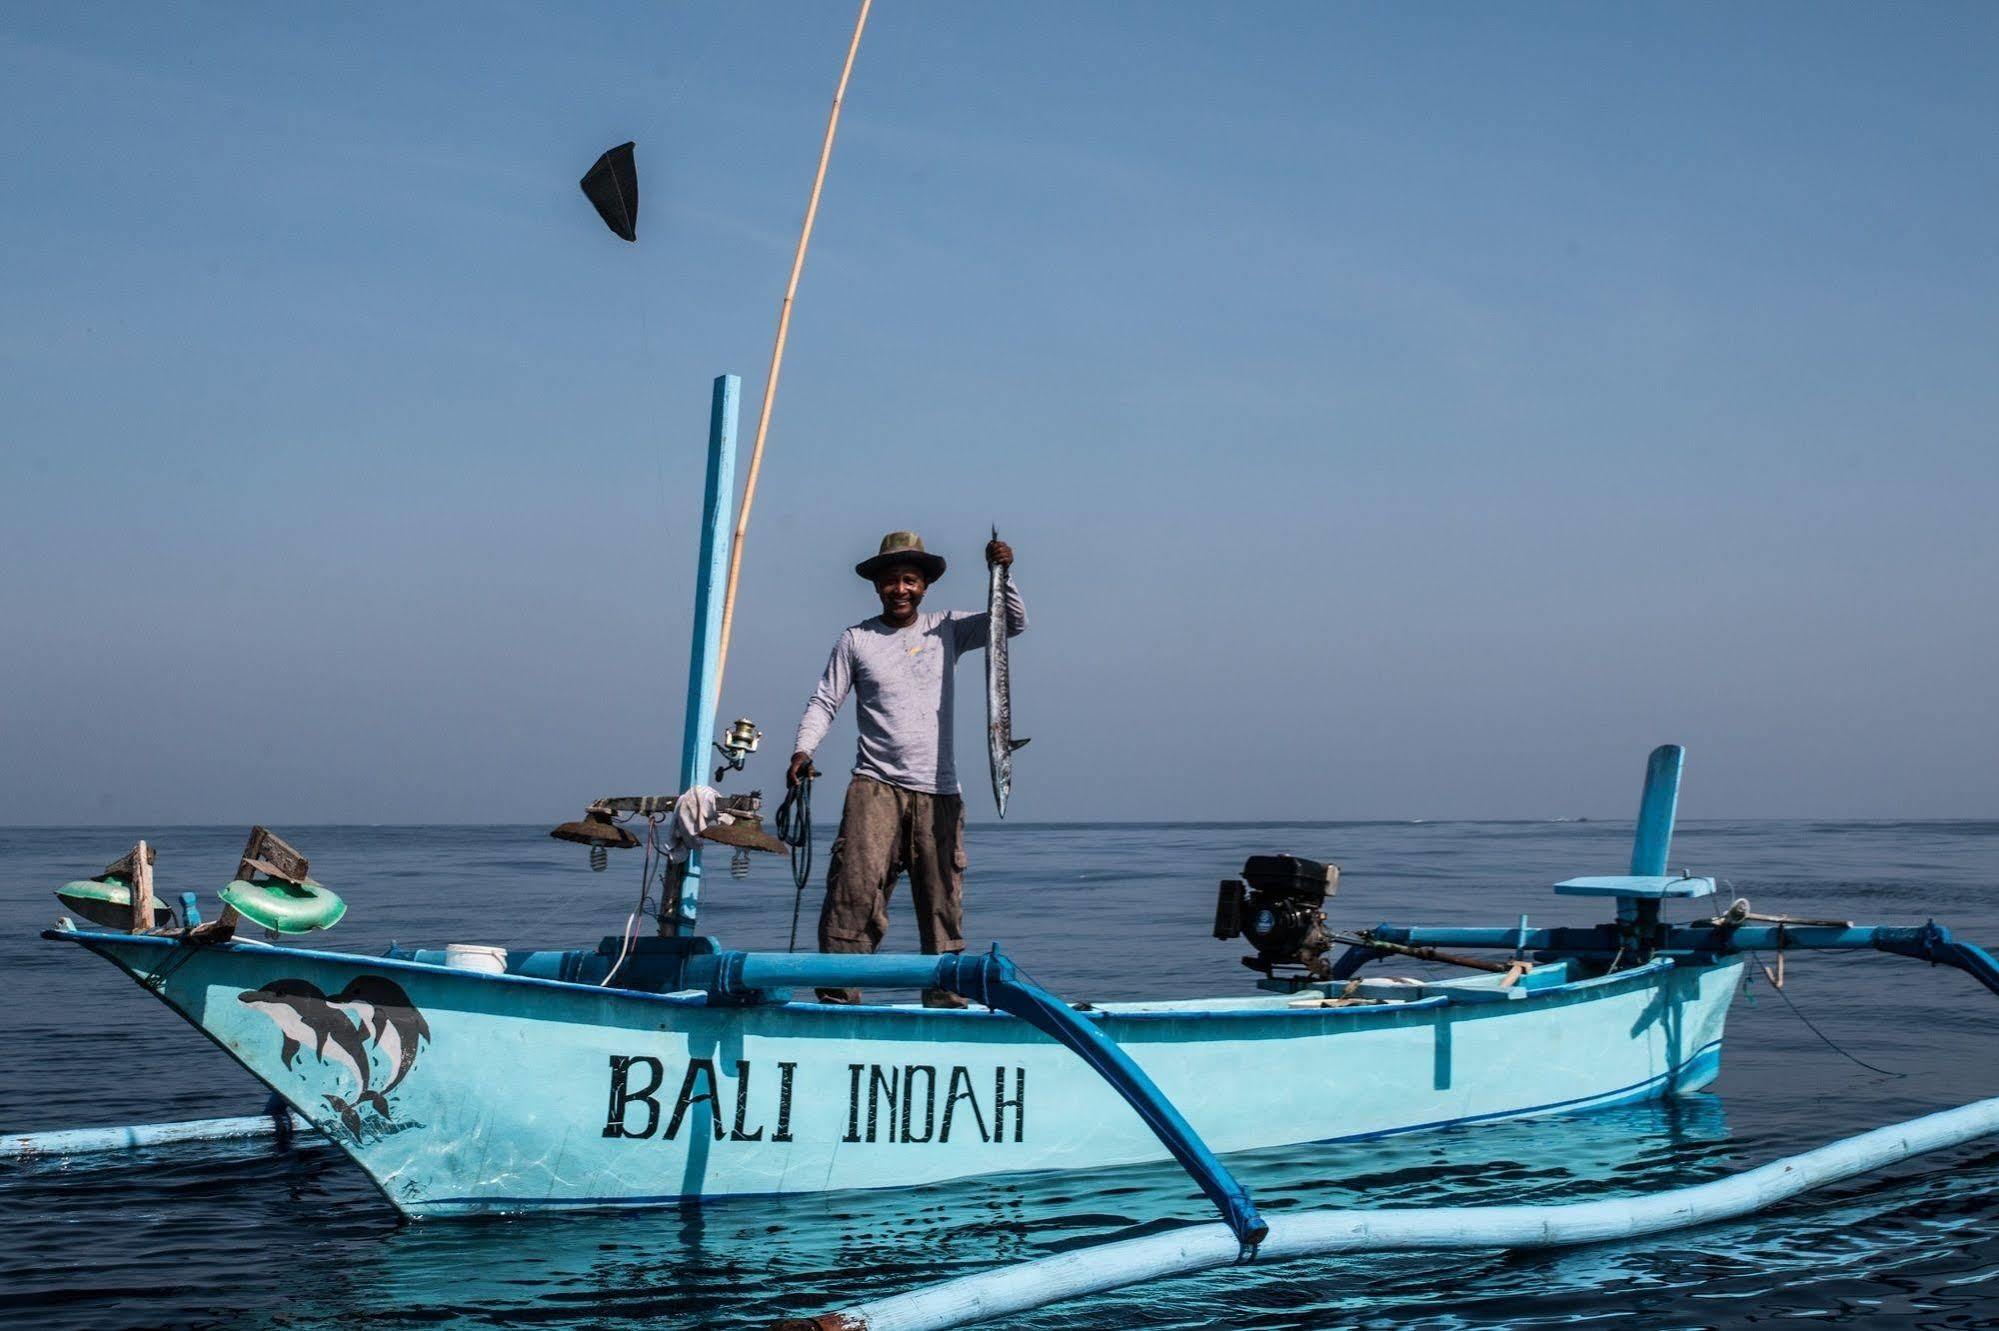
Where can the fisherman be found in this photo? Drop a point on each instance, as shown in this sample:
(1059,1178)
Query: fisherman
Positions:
(904,811)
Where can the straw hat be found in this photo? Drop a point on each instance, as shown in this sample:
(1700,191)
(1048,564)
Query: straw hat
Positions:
(902,547)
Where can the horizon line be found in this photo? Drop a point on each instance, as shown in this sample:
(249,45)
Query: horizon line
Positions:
(1106,822)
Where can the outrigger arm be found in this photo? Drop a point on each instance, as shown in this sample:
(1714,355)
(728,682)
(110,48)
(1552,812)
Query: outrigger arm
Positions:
(1639,933)
(994,981)
(1699,941)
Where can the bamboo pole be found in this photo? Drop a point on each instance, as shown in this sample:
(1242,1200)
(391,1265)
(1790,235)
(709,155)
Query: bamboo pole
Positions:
(777,348)
(84,1141)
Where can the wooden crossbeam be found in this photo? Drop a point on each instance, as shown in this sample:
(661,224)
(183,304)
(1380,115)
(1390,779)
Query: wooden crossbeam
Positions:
(142,888)
(265,853)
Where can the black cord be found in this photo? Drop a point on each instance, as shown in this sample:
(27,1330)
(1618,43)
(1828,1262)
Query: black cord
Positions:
(794,828)
(1821,1034)
(653,854)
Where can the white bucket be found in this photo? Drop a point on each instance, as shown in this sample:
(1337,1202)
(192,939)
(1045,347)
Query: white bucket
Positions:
(476,957)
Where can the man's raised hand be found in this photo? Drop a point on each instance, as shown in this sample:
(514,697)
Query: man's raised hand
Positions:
(999,552)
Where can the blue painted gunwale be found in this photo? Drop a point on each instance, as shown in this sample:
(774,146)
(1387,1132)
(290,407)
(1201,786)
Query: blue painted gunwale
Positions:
(1388,1013)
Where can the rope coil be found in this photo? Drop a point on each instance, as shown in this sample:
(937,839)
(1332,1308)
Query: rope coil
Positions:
(794,829)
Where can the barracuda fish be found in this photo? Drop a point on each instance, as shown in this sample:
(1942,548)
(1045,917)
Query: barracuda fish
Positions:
(1000,742)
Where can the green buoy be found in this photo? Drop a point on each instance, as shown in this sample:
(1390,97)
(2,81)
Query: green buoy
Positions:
(107,901)
(286,908)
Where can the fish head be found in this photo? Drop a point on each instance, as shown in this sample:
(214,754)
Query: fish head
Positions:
(293,994)
(379,1005)
(288,1005)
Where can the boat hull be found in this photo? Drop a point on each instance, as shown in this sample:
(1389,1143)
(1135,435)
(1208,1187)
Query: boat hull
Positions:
(462,1092)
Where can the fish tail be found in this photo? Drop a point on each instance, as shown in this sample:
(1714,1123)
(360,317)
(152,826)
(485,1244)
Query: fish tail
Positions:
(379,1101)
(349,1118)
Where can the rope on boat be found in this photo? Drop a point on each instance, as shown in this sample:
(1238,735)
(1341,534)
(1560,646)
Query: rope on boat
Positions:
(794,829)
(1035,1284)
(654,862)
(1810,1025)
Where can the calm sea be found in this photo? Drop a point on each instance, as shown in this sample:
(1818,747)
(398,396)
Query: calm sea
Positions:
(243,1236)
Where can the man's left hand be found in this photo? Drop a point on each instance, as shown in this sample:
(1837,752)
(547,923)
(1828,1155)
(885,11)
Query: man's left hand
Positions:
(999,552)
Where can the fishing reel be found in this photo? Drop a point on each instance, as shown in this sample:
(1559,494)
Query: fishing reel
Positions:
(1279,906)
(737,745)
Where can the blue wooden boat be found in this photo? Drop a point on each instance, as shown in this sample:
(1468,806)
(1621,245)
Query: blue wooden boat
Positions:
(697,1072)
(459,1091)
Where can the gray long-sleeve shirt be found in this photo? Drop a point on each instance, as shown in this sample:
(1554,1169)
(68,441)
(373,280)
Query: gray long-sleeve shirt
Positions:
(902,678)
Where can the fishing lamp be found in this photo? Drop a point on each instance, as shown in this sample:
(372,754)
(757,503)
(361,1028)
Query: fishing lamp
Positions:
(744,831)
(596,830)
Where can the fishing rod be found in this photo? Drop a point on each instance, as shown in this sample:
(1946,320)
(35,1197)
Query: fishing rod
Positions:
(777,348)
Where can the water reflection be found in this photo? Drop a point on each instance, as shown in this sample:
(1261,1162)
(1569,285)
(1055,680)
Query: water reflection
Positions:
(739,1263)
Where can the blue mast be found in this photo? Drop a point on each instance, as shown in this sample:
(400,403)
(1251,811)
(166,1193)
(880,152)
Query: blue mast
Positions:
(704,656)
(1652,843)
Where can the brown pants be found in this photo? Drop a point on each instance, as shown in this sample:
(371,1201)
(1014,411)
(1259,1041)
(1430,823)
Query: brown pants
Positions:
(885,830)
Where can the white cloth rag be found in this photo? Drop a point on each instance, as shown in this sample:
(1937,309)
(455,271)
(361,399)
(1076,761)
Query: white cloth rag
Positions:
(695,810)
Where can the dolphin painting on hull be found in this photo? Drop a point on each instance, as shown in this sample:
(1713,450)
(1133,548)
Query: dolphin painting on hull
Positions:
(370,1011)
(386,1016)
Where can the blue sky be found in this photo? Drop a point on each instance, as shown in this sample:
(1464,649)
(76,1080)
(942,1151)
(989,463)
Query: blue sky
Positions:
(1399,410)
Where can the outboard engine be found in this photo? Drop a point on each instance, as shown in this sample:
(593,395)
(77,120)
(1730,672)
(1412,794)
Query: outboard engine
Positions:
(1279,905)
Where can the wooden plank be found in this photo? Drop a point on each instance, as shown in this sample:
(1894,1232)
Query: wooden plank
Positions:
(673,883)
(269,854)
(142,889)
(251,849)
(221,929)
(122,866)
(645,805)
(265,853)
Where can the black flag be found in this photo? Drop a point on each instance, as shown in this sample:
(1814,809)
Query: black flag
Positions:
(613,186)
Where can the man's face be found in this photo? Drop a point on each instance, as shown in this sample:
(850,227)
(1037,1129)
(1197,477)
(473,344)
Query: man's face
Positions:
(901,589)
